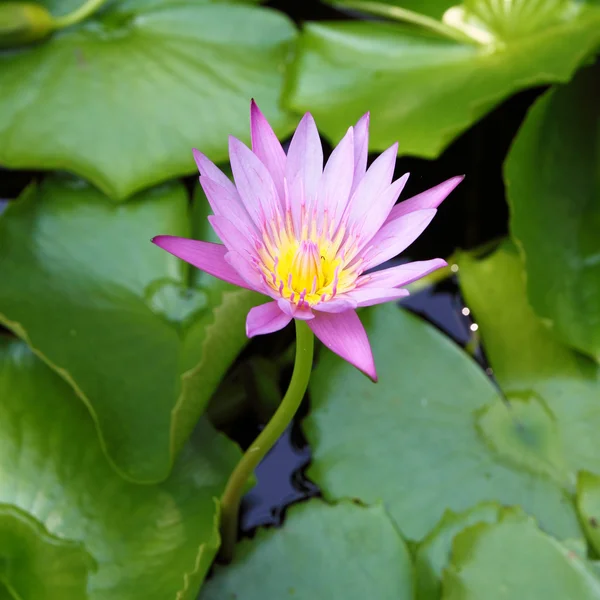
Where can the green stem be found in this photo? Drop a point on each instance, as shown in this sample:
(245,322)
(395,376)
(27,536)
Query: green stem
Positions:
(83,12)
(230,501)
(398,13)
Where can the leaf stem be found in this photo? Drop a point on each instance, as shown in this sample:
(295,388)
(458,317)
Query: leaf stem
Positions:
(79,14)
(398,13)
(230,501)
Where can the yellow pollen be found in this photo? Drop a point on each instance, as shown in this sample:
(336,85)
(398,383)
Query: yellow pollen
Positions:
(306,272)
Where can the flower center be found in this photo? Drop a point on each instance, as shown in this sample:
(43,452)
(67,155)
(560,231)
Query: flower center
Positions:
(306,272)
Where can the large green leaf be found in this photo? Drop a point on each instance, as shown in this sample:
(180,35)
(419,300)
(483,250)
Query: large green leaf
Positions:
(531,366)
(122,98)
(433,554)
(114,316)
(412,440)
(424,89)
(147,541)
(35,564)
(553,184)
(588,502)
(342,551)
(514,559)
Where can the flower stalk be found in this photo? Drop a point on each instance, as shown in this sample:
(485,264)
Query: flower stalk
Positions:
(23,23)
(86,10)
(230,501)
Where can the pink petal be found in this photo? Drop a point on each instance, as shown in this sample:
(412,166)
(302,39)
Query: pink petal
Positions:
(267,147)
(338,304)
(395,236)
(226,202)
(344,334)
(265,318)
(254,184)
(205,256)
(248,272)
(336,182)
(368,192)
(431,198)
(291,309)
(369,296)
(303,167)
(231,236)
(380,210)
(361,149)
(208,169)
(402,274)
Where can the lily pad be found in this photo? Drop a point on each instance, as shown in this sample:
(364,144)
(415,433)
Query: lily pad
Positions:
(529,363)
(433,554)
(412,440)
(515,559)
(35,564)
(150,541)
(553,185)
(422,88)
(115,316)
(121,98)
(523,430)
(588,503)
(342,551)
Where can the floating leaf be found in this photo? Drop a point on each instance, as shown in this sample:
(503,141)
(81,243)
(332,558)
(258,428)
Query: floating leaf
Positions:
(342,551)
(115,317)
(553,185)
(588,503)
(529,363)
(150,541)
(122,98)
(412,439)
(433,554)
(524,431)
(35,564)
(515,559)
(424,89)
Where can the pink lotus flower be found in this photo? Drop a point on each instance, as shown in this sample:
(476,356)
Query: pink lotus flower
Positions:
(309,236)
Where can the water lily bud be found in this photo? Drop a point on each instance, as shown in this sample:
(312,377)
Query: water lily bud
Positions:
(23,23)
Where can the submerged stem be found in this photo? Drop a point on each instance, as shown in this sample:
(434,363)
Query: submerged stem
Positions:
(79,14)
(230,501)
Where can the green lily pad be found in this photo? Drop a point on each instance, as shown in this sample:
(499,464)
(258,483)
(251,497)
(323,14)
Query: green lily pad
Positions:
(553,185)
(524,430)
(433,554)
(588,503)
(515,559)
(412,440)
(115,316)
(149,541)
(342,551)
(36,564)
(528,362)
(423,89)
(122,98)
